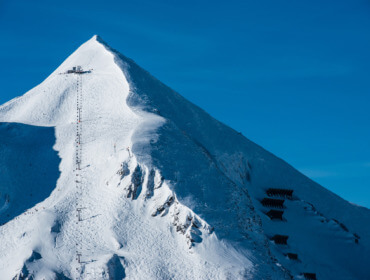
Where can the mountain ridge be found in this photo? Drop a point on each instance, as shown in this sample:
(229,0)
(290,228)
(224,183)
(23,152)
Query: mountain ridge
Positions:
(179,174)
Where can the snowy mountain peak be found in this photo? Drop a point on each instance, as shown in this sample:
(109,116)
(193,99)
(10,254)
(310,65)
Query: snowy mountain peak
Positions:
(123,177)
(91,54)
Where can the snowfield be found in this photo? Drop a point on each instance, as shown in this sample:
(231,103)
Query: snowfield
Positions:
(110,174)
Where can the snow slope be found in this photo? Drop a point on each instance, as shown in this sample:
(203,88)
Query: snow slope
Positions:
(164,191)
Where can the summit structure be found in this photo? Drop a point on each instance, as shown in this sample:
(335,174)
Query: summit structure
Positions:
(113,175)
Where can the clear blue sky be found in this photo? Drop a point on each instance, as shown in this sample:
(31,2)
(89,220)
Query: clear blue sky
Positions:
(293,76)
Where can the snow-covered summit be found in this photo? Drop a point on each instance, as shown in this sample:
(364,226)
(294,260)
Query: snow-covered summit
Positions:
(108,173)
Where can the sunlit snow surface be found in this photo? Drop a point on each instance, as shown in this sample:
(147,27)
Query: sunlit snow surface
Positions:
(168,192)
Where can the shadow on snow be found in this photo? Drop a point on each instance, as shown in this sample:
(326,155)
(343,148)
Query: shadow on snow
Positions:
(28,167)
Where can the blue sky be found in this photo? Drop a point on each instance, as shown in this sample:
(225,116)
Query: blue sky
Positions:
(293,76)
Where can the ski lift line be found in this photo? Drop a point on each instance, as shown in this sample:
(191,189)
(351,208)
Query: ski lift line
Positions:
(79,184)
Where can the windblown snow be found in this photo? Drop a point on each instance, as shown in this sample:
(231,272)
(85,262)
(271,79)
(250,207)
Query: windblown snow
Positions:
(106,173)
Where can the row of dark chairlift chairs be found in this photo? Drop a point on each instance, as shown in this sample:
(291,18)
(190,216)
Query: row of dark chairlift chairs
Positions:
(274,214)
